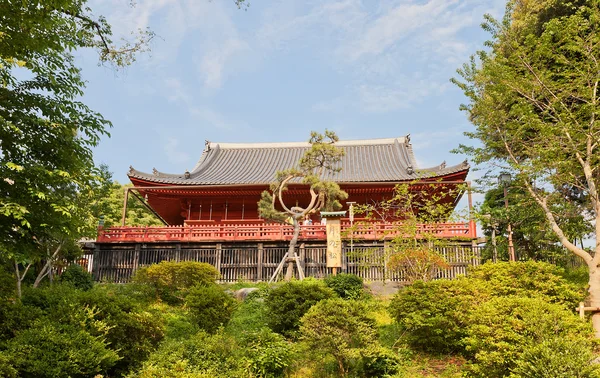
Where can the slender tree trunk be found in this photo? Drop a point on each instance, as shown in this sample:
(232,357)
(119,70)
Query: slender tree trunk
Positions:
(20,277)
(292,250)
(594,297)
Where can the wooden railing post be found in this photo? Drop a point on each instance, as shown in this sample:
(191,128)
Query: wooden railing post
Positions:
(259,265)
(218,258)
(178,252)
(136,258)
(302,251)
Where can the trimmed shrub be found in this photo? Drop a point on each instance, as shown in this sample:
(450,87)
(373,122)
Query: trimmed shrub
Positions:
(434,315)
(173,279)
(77,277)
(268,353)
(249,316)
(503,328)
(527,279)
(557,358)
(6,368)
(199,355)
(347,286)
(209,306)
(287,303)
(59,350)
(343,329)
(130,331)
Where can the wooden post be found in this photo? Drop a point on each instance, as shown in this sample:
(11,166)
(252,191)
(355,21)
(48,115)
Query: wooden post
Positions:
(124,215)
(581,310)
(385,261)
(178,252)
(136,258)
(302,250)
(259,266)
(96,263)
(218,258)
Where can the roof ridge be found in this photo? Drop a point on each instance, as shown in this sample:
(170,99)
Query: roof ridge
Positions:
(341,143)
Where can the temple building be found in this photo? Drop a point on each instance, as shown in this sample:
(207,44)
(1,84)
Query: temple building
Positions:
(214,205)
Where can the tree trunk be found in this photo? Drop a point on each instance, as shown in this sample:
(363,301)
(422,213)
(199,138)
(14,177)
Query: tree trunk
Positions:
(292,250)
(594,297)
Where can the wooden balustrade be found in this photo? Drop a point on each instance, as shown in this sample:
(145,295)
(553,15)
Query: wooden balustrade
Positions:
(261,231)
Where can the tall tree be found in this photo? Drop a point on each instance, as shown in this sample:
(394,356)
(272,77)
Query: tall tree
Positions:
(111,206)
(534,104)
(321,158)
(47,175)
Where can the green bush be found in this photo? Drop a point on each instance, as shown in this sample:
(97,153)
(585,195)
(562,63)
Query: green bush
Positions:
(209,306)
(347,286)
(434,315)
(172,280)
(129,330)
(557,358)
(503,328)
(59,350)
(78,277)
(6,367)
(527,279)
(199,355)
(287,303)
(268,353)
(249,316)
(343,329)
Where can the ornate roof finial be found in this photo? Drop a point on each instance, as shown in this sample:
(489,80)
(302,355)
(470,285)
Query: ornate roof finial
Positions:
(186,175)
(465,163)
(207,145)
(410,170)
(154,171)
(407,137)
(130,170)
(443,165)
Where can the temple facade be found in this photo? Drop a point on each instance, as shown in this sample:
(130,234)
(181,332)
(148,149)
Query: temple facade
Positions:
(215,203)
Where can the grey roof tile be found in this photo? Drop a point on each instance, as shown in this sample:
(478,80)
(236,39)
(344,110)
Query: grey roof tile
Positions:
(372,160)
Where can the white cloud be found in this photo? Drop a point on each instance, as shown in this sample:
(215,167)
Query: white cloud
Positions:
(212,63)
(174,153)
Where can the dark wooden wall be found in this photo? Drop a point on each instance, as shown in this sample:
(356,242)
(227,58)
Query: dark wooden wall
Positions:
(258,261)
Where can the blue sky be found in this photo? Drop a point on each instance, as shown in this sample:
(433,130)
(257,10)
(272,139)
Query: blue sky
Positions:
(279,69)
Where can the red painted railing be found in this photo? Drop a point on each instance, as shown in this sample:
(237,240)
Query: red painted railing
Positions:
(260,231)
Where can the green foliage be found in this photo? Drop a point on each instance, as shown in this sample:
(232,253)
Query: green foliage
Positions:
(249,316)
(287,303)
(173,279)
(268,354)
(533,102)
(199,355)
(343,329)
(503,328)
(6,367)
(527,279)
(557,358)
(51,349)
(415,211)
(130,331)
(347,286)
(78,277)
(317,162)
(209,306)
(434,315)
(111,207)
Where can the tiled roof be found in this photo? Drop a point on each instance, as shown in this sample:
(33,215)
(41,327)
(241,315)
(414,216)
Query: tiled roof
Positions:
(373,160)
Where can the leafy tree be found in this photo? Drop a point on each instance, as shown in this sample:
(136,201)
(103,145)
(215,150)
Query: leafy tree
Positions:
(534,104)
(111,207)
(47,175)
(416,210)
(322,158)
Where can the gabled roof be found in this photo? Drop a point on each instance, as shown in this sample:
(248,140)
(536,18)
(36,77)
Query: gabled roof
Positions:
(371,160)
